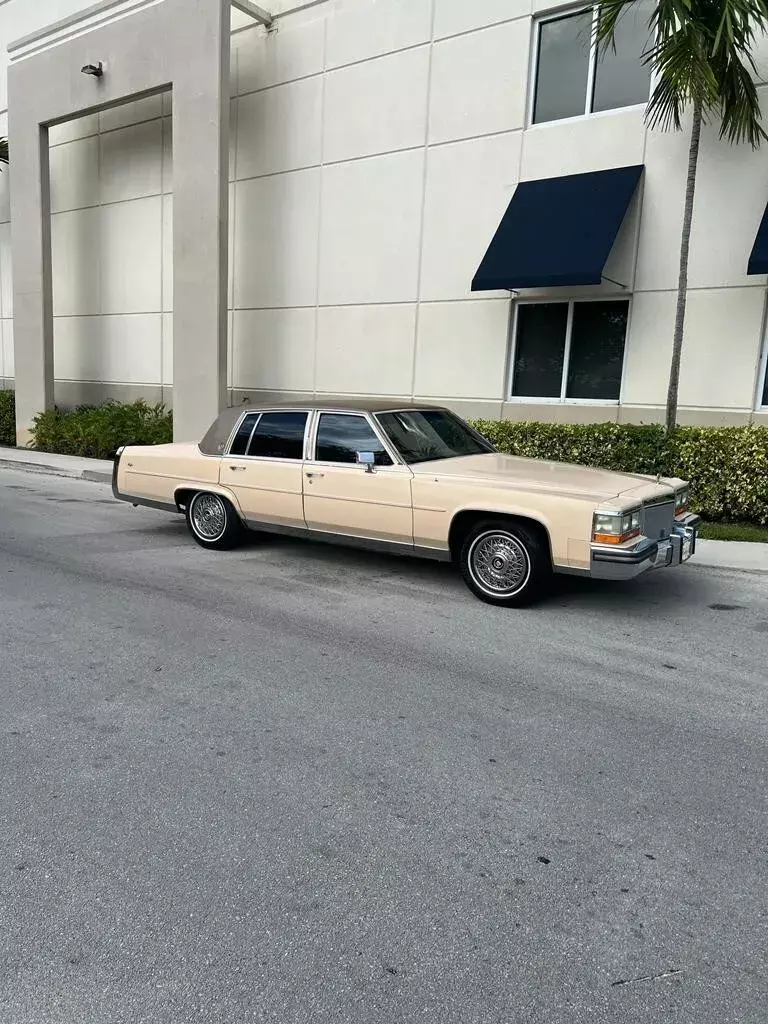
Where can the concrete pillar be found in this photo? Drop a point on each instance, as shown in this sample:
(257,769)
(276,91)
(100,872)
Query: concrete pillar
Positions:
(32,286)
(200,229)
(178,44)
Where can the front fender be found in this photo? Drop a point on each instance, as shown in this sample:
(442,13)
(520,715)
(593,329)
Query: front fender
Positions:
(491,509)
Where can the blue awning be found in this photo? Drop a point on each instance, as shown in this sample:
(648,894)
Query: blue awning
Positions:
(758,258)
(558,231)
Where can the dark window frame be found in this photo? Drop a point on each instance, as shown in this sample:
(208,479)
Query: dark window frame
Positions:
(563,398)
(374,428)
(260,414)
(592,62)
(255,417)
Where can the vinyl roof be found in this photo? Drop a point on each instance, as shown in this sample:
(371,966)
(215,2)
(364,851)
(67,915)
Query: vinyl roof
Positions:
(217,436)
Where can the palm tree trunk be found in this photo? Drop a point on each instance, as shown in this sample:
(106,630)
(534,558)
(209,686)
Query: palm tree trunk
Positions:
(682,281)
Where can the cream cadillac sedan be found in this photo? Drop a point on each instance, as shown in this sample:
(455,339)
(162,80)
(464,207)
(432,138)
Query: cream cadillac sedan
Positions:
(416,480)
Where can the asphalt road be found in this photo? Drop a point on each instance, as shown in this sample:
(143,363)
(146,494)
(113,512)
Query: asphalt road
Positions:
(294,783)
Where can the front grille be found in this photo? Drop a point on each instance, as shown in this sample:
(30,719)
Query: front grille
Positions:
(658,519)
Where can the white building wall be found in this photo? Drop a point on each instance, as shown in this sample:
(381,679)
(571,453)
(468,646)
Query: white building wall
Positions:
(376,145)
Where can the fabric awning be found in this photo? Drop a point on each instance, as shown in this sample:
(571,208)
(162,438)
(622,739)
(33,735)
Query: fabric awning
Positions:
(758,258)
(558,231)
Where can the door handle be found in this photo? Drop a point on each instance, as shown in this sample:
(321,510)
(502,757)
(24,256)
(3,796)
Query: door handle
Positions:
(237,469)
(310,476)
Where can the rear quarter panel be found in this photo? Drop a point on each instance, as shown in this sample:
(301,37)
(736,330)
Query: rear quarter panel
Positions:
(155,472)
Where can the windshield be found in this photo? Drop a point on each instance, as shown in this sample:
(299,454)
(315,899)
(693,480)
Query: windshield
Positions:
(423,435)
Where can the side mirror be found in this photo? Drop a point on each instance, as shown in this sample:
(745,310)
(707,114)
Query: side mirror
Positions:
(367,459)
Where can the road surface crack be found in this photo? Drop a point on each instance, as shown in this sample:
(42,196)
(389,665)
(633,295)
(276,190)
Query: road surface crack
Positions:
(647,977)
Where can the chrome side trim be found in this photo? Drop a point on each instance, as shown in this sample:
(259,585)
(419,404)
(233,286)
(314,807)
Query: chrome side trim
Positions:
(115,468)
(161,506)
(348,540)
(433,554)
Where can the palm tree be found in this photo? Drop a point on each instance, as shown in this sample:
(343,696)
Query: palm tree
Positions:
(701,58)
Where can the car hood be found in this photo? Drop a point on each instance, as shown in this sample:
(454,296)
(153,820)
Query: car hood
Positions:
(538,474)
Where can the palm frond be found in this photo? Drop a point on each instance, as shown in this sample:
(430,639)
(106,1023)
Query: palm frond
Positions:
(739,102)
(735,27)
(702,54)
(685,76)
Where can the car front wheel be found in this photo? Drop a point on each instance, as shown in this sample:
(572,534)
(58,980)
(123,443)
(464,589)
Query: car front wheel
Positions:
(505,563)
(213,522)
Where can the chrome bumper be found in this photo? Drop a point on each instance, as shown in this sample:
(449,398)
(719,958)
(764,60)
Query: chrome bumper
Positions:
(625,563)
(115,468)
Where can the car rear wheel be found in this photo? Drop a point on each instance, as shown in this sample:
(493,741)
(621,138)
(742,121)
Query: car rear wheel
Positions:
(505,563)
(213,522)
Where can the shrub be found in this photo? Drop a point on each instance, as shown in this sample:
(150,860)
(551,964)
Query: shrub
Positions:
(7,418)
(96,431)
(726,466)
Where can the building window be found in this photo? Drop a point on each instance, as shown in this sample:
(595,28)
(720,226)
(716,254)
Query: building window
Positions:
(569,351)
(572,79)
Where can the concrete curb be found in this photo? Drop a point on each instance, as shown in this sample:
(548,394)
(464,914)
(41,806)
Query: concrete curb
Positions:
(94,470)
(731,554)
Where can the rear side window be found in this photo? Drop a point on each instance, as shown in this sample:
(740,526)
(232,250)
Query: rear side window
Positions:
(243,435)
(279,435)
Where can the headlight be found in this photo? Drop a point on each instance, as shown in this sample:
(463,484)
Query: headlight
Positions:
(616,527)
(682,501)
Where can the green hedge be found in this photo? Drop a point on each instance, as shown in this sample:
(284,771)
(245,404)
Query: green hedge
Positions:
(7,418)
(96,431)
(727,466)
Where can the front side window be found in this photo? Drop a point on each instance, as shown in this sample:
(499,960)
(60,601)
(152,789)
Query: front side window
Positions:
(340,437)
(279,435)
(424,435)
(572,78)
(570,350)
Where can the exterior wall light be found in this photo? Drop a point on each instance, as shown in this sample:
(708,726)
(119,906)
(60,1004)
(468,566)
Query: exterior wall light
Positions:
(95,70)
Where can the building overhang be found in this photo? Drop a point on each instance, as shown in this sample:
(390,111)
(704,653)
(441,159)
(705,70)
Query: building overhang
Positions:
(558,232)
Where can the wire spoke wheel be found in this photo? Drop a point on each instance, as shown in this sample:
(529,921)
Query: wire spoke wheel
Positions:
(208,516)
(499,564)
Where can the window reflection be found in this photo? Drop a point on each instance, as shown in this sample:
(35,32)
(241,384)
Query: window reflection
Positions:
(340,437)
(279,435)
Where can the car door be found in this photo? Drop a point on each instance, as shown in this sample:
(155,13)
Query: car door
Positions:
(264,468)
(344,497)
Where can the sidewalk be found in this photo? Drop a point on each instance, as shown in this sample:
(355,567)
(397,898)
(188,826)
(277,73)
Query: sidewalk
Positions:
(718,554)
(731,554)
(97,470)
